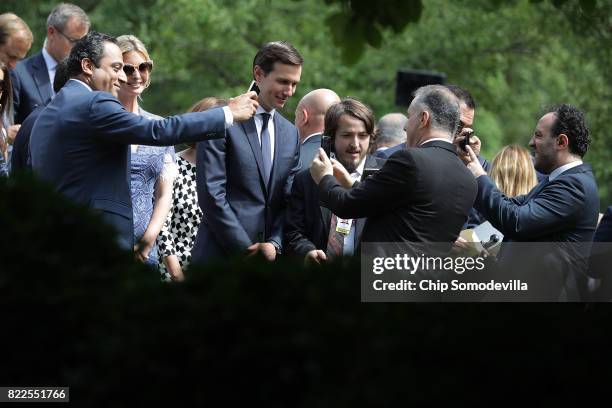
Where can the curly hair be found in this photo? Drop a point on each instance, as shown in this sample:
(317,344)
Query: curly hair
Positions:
(571,121)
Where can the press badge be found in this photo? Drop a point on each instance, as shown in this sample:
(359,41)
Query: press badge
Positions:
(343,226)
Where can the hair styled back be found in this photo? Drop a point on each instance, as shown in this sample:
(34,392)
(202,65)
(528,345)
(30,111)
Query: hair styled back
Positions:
(277,51)
(442,105)
(512,171)
(63,12)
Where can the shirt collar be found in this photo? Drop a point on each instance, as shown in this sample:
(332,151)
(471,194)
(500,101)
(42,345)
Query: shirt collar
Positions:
(49,60)
(82,83)
(436,139)
(356,175)
(260,110)
(557,172)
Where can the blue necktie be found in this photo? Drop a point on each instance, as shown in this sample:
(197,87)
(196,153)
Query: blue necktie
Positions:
(265,147)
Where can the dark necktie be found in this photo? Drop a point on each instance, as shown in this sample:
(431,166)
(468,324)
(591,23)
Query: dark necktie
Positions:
(265,147)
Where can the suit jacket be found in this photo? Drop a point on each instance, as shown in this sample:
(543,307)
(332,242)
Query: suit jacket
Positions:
(601,258)
(307,222)
(31,86)
(20,159)
(308,150)
(419,195)
(80,143)
(240,208)
(385,154)
(564,212)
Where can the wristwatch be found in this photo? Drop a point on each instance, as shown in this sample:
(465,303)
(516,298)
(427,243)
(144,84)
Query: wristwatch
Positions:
(277,247)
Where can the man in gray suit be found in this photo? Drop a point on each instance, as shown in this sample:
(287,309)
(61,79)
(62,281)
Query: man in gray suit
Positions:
(309,116)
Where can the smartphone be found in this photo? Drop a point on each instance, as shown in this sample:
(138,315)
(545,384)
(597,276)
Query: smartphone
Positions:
(466,140)
(367,172)
(327,145)
(254,87)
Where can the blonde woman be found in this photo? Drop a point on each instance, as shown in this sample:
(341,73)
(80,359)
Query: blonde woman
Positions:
(152,168)
(512,171)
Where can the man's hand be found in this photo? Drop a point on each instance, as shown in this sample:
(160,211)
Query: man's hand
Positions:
(342,175)
(474,165)
(474,144)
(267,250)
(316,256)
(243,107)
(12,133)
(321,166)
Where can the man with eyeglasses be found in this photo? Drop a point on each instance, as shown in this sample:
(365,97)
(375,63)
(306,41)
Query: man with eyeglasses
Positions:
(33,77)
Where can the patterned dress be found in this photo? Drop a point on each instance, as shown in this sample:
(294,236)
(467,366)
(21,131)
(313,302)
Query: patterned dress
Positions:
(148,165)
(178,233)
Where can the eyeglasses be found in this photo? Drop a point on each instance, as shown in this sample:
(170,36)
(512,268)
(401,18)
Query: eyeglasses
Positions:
(70,39)
(146,66)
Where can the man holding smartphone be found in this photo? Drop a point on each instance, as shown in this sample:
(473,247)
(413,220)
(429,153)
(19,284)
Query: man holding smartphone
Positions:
(421,194)
(312,231)
(243,180)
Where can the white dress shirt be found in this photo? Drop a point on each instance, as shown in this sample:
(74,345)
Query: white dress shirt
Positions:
(51,67)
(557,172)
(349,240)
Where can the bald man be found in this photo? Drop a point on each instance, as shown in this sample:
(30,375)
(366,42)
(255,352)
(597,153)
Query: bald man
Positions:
(309,116)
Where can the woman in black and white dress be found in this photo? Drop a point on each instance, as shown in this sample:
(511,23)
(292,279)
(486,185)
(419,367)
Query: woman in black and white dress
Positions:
(178,234)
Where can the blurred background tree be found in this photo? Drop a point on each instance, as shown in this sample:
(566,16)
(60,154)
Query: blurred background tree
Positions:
(515,56)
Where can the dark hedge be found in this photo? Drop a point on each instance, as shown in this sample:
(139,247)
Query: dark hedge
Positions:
(78,312)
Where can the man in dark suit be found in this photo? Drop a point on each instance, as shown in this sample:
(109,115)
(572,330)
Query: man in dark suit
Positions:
(309,116)
(421,194)
(563,208)
(33,77)
(390,133)
(20,159)
(307,230)
(80,142)
(243,180)
(467,110)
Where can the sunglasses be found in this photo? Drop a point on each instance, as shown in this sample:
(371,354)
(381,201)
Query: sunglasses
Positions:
(146,66)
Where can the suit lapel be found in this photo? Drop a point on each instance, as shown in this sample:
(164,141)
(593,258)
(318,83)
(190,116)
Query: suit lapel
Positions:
(41,78)
(250,131)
